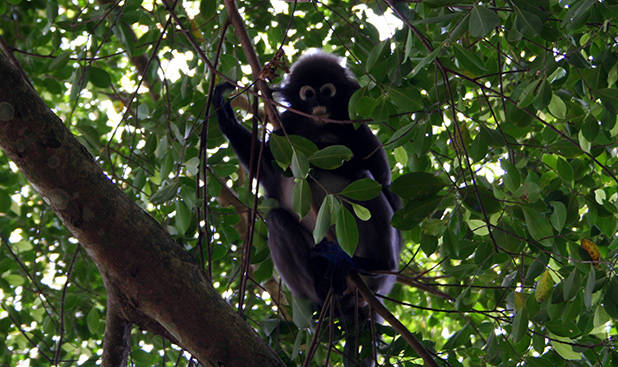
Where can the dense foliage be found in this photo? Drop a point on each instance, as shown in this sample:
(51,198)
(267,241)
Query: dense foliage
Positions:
(499,119)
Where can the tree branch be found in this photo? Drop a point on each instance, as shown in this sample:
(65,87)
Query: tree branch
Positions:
(379,308)
(117,340)
(133,252)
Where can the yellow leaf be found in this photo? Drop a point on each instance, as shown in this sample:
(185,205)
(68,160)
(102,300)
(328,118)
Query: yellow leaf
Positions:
(544,287)
(461,138)
(118,106)
(520,300)
(195,30)
(592,250)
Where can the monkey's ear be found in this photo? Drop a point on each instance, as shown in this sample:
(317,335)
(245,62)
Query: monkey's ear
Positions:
(279,92)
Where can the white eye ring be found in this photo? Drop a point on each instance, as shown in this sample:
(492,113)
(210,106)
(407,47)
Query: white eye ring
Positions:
(306,91)
(328,90)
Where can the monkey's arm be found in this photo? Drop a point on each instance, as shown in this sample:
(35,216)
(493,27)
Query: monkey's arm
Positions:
(370,150)
(238,136)
(240,140)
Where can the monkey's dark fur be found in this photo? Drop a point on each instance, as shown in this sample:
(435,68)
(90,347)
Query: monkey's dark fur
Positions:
(319,85)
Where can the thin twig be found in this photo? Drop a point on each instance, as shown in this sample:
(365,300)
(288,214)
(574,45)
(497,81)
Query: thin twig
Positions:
(62,299)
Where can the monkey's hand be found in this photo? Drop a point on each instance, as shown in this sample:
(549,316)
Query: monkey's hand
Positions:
(223,109)
(330,265)
(218,98)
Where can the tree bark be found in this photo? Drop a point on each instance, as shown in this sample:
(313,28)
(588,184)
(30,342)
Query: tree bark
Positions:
(159,285)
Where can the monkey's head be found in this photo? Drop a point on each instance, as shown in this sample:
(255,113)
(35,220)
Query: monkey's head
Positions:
(318,84)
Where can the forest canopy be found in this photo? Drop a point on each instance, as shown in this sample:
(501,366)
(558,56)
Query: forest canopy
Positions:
(498,119)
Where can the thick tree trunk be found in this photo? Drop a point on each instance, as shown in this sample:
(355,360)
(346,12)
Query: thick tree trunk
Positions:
(158,284)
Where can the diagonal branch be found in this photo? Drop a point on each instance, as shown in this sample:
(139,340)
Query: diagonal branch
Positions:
(160,283)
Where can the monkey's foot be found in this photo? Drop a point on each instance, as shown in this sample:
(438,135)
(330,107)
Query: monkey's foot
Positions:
(331,265)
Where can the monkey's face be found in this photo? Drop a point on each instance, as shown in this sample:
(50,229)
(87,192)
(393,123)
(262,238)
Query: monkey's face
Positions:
(323,92)
(321,98)
(318,100)
(320,86)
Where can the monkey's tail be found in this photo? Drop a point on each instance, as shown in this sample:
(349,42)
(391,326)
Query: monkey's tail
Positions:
(360,339)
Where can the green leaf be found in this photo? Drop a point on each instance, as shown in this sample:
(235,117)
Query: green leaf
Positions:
(52,85)
(577,13)
(51,10)
(401,155)
(165,193)
(264,271)
(346,230)
(591,128)
(374,55)
(5,202)
(401,136)
(208,8)
(537,225)
(461,26)
(416,185)
(439,3)
(281,150)
(406,99)
(361,106)
(182,218)
(543,95)
(414,212)
(331,157)
(482,21)
(302,312)
(93,321)
(469,197)
(162,146)
(470,62)
(609,95)
(520,326)
(300,165)
(528,23)
(14,280)
(78,83)
(610,301)
(558,216)
(323,220)
(557,107)
(583,142)
(425,61)
(301,197)
(527,96)
(571,285)
(590,283)
(61,60)
(363,189)
(22,246)
(99,77)
(409,45)
(564,350)
(512,178)
(564,169)
(192,166)
(303,145)
(361,212)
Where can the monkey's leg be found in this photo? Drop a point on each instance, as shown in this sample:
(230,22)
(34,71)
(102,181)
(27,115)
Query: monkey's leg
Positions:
(290,248)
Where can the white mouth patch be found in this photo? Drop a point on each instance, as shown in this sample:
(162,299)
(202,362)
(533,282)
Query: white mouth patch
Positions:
(320,111)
